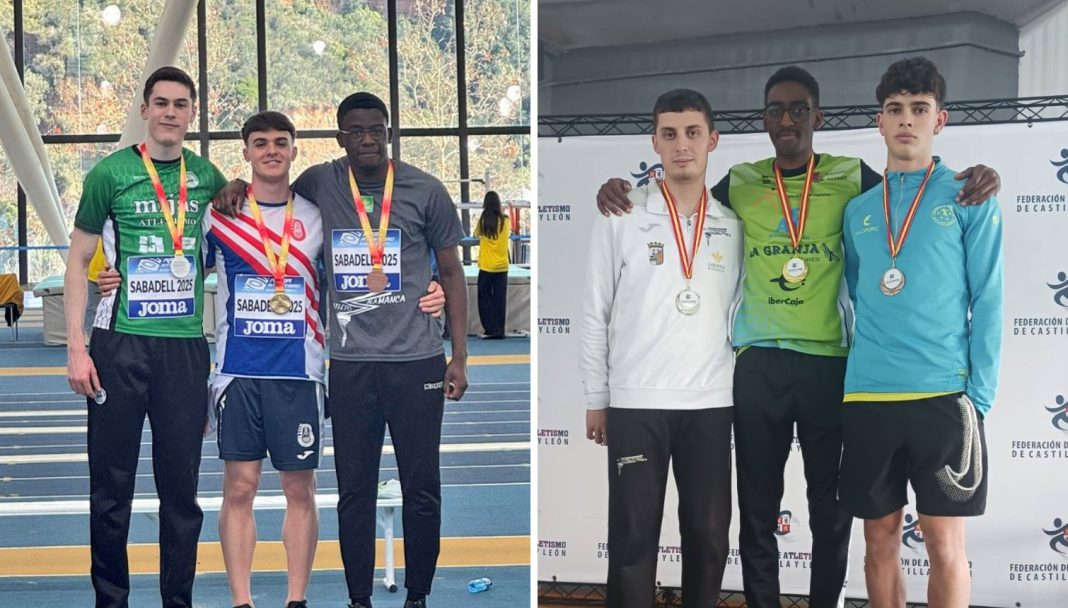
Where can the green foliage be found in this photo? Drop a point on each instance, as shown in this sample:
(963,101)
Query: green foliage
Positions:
(82,74)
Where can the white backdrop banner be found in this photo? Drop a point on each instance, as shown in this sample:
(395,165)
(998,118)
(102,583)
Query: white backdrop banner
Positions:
(1018,550)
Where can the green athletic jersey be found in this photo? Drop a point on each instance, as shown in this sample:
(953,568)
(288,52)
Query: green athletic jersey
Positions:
(811,316)
(119,203)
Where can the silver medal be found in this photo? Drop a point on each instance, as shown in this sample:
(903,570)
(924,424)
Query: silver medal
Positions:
(688,301)
(893,282)
(180,266)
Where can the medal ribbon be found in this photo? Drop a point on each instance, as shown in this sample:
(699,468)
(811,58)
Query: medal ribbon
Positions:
(377,248)
(178,230)
(899,242)
(676,226)
(276,264)
(795,231)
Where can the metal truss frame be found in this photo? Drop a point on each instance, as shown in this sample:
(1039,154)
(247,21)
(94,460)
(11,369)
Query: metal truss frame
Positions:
(1026,110)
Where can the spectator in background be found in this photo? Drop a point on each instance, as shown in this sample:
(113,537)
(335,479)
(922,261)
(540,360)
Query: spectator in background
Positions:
(493,231)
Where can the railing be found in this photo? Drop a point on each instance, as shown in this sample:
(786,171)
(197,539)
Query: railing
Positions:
(1026,110)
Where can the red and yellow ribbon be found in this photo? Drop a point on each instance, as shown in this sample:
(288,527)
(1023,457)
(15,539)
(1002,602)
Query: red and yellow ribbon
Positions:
(899,242)
(796,231)
(176,229)
(276,264)
(377,248)
(676,226)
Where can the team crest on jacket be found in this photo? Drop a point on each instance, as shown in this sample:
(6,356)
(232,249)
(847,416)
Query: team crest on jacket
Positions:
(298,230)
(656,254)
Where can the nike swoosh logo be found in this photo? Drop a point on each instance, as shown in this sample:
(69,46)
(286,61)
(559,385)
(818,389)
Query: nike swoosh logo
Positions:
(305,454)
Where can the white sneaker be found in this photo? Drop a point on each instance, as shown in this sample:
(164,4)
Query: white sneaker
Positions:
(389,489)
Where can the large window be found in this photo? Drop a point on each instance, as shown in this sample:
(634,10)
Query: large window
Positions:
(461,99)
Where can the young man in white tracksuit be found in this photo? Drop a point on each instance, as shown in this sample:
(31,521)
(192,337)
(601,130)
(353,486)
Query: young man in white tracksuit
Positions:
(657,361)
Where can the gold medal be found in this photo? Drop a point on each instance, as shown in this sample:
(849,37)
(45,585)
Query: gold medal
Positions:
(377,280)
(795,270)
(281,304)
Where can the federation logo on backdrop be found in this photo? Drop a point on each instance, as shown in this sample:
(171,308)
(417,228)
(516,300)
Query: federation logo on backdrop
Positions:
(912,533)
(1060,413)
(671,554)
(1049,315)
(553,437)
(1052,446)
(554,213)
(554,325)
(1061,165)
(784,524)
(1060,289)
(601,550)
(1051,570)
(647,173)
(1053,200)
(552,548)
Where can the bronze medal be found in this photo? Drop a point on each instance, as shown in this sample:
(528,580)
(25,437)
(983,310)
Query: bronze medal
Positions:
(377,280)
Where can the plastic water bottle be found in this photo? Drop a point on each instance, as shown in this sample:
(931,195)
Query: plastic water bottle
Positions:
(479,585)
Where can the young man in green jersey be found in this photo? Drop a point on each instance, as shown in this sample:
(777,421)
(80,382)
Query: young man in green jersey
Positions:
(148,355)
(791,331)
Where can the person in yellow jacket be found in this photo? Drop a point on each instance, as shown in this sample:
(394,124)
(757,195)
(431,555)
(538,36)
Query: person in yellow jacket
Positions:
(98,263)
(493,231)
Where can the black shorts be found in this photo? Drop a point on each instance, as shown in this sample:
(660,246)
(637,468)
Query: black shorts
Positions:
(257,416)
(922,442)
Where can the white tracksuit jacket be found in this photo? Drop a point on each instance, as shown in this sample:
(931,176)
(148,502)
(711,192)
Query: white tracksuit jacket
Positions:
(638,350)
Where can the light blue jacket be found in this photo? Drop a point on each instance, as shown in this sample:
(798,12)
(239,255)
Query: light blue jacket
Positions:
(942,332)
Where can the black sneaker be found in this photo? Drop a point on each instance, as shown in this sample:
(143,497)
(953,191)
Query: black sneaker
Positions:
(415,603)
(300,604)
(357,605)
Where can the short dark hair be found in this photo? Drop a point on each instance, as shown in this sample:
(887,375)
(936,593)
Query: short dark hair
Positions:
(267,121)
(359,100)
(793,73)
(169,73)
(916,76)
(681,100)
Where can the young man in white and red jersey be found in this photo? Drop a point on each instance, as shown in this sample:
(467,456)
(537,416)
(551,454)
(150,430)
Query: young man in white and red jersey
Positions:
(269,390)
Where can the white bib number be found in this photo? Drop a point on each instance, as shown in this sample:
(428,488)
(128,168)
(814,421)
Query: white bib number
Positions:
(153,292)
(253,317)
(352,260)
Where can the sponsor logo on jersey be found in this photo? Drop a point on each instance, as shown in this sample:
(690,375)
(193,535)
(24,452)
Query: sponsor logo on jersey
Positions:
(656,253)
(943,215)
(305,435)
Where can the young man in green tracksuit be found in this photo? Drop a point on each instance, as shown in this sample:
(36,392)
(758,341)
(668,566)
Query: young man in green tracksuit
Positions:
(791,331)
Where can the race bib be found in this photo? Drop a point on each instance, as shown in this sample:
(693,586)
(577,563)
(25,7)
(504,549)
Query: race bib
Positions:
(253,316)
(153,292)
(352,260)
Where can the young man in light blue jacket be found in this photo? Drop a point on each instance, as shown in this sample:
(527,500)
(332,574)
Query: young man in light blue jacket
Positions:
(925,277)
